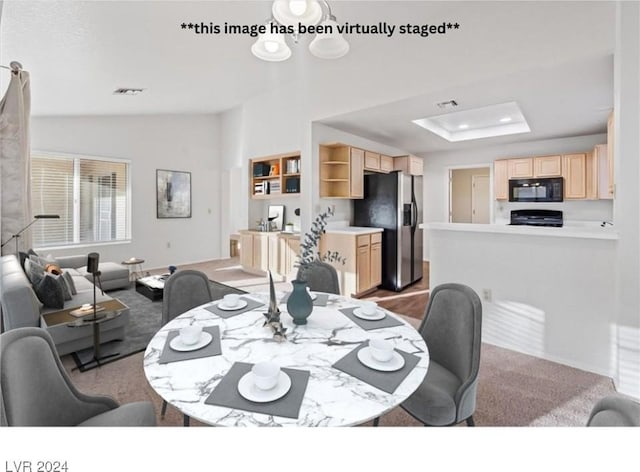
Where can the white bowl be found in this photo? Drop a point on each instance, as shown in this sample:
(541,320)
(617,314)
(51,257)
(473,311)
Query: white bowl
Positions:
(369,308)
(231,299)
(265,375)
(190,334)
(381,350)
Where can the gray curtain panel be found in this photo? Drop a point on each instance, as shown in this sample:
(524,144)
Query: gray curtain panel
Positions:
(15,160)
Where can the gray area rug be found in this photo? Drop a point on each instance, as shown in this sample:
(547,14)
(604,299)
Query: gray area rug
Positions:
(145,319)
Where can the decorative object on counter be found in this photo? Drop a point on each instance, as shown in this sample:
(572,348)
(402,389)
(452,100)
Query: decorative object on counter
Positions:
(299,304)
(288,228)
(273,314)
(173,194)
(276,217)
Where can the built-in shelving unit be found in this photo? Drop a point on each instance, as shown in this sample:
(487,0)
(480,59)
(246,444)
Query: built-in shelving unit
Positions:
(275,176)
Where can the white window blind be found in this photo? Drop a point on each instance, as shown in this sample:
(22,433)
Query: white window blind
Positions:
(90,195)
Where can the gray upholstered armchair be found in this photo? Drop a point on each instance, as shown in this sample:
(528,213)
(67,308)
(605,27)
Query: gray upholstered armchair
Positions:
(452,330)
(615,410)
(35,390)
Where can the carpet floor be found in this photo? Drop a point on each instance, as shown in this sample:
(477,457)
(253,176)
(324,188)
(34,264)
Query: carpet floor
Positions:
(514,389)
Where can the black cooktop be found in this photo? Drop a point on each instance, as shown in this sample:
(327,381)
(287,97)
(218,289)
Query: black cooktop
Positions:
(537,218)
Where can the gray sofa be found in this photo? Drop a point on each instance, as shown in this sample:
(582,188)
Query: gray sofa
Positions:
(21,307)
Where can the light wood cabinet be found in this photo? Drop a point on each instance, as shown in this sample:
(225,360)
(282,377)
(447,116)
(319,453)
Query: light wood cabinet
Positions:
(289,250)
(386,163)
(371,161)
(547,166)
(601,157)
(259,251)
(574,171)
(501,179)
(341,171)
(362,253)
(274,176)
(610,154)
(521,168)
(411,165)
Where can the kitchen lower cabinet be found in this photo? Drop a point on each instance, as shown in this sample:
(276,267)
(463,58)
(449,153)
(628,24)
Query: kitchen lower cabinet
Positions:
(288,252)
(361,271)
(259,251)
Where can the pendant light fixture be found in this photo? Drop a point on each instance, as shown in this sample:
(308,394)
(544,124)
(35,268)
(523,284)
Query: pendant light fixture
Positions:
(328,45)
(271,46)
(292,12)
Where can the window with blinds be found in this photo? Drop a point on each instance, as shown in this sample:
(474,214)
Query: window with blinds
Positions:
(90,195)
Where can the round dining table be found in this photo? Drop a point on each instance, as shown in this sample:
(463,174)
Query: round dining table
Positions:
(332,397)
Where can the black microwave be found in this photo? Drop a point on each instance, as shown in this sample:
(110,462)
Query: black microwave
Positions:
(536,190)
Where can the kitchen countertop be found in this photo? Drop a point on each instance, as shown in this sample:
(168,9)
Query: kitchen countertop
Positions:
(355,230)
(586,232)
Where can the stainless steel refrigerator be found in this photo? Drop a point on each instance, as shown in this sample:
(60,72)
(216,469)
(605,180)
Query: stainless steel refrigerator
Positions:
(394,202)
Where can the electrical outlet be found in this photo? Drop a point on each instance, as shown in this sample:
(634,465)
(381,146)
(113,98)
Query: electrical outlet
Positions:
(168,244)
(486,294)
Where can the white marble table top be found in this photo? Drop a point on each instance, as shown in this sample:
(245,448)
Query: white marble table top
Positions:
(332,398)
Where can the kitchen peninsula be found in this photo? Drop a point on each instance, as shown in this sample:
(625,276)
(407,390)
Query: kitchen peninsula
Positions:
(527,278)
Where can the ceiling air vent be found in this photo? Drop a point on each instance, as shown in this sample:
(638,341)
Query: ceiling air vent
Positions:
(127,91)
(448,104)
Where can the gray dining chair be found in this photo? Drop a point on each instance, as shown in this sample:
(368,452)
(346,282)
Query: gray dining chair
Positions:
(615,410)
(184,290)
(321,277)
(35,389)
(452,330)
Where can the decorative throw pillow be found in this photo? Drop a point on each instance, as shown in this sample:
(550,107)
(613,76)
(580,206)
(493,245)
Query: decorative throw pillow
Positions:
(65,286)
(53,269)
(33,270)
(70,283)
(31,252)
(50,291)
(23,257)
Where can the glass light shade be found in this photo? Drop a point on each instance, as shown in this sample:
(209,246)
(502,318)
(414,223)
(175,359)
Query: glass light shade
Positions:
(271,47)
(282,13)
(329,46)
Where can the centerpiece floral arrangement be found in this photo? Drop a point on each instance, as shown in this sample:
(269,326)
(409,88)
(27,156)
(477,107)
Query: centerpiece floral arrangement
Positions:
(310,246)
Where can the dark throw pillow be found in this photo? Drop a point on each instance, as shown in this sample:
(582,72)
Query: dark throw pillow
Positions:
(70,283)
(65,286)
(23,257)
(50,291)
(33,270)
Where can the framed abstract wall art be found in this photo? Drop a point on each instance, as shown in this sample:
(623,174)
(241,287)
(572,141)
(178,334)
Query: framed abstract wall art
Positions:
(173,194)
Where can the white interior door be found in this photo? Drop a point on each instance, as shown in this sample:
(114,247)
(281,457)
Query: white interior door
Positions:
(480,199)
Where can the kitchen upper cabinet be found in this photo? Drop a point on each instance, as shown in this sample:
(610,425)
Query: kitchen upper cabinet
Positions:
(411,165)
(601,157)
(362,253)
(610,154)
(341,171)
(371,161)
(574,171)
(386,164)
(547,166)
(501,179)
(521,168)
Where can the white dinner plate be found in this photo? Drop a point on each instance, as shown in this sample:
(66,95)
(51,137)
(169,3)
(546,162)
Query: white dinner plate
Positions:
(247,388)
(378,315)
(241,304)
(177,344)
(395,363)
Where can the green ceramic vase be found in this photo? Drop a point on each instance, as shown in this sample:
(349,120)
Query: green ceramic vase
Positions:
(299,304)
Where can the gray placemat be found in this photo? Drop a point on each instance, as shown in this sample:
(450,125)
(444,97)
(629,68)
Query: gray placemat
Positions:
(226,393)
(385,381)
(211,349)
(386,322)
(321,299)
(251,305)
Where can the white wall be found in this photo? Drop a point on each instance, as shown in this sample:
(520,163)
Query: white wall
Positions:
(626,208)
(184,143)
(436,179)
(552,297)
